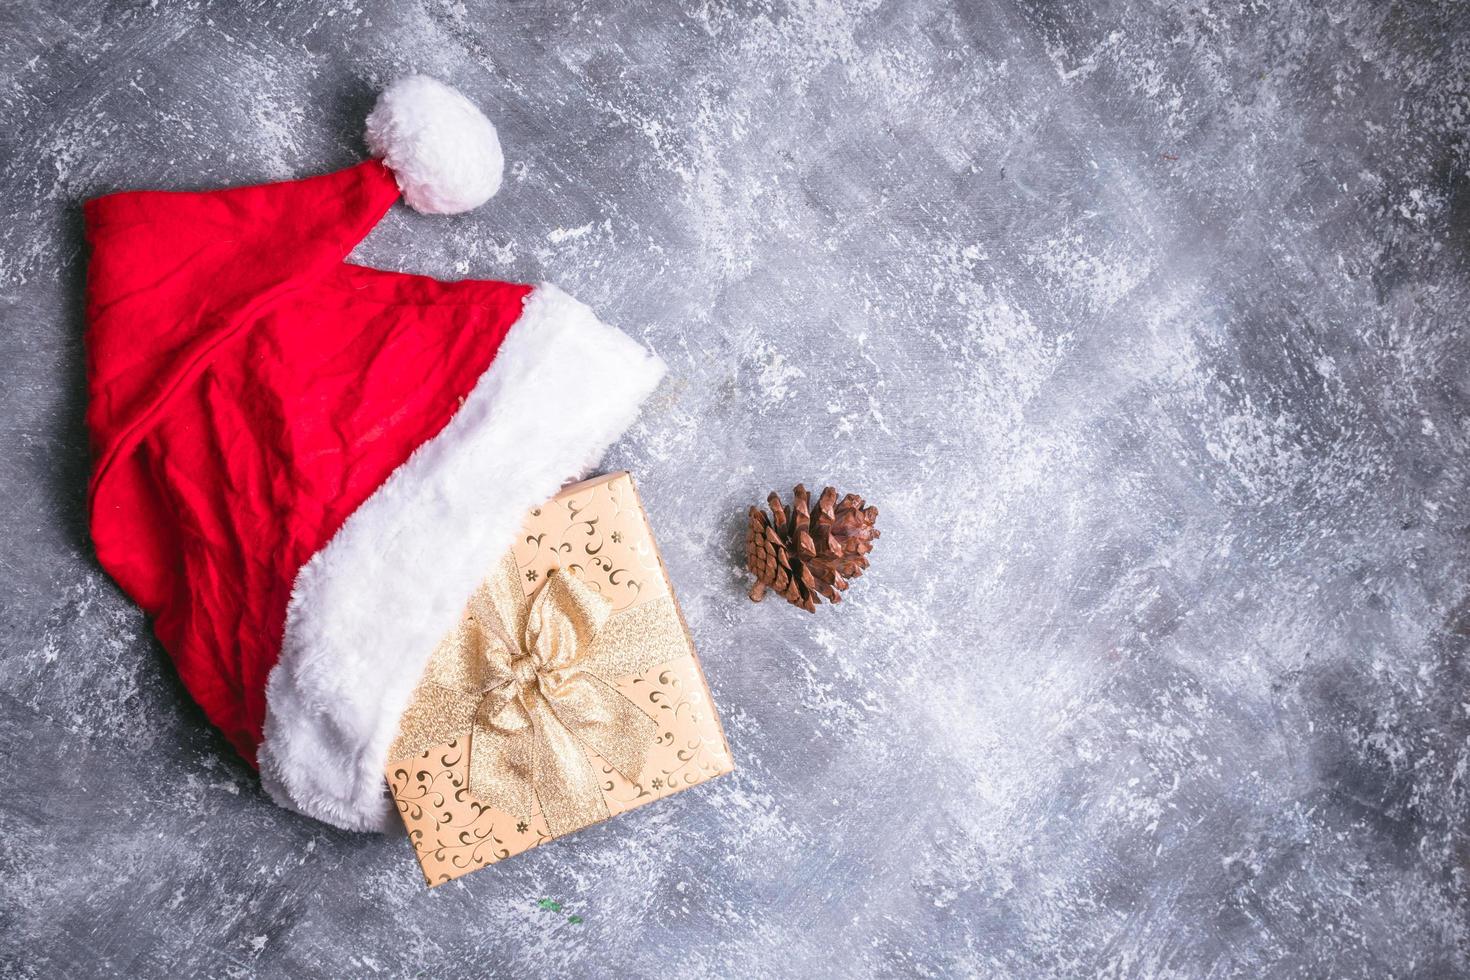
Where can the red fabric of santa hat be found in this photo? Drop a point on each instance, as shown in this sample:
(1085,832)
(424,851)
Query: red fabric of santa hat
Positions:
(305,466)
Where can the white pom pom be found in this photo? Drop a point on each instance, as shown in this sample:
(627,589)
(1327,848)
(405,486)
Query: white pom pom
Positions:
(443,151)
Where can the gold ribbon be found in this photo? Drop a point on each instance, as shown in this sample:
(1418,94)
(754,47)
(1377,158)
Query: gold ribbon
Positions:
(541,711)
(534,708)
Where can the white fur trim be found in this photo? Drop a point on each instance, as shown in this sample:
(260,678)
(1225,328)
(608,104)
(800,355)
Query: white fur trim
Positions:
(443,151)
(369,608)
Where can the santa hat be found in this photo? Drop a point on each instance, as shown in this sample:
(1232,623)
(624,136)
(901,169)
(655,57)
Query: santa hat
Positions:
(305,466)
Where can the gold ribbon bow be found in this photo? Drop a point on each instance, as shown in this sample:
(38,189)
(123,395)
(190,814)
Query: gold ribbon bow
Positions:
(535,708)
(541,711)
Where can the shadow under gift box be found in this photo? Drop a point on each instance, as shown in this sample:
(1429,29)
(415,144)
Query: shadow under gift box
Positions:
(569,693)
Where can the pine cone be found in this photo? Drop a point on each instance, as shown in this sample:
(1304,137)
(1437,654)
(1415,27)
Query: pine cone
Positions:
(802,555)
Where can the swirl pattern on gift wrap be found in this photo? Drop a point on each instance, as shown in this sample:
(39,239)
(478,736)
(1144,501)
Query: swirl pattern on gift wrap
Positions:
(688,749)
(598,534)
(451,831)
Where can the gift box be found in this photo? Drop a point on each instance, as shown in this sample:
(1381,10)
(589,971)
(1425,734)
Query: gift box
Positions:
(569,692)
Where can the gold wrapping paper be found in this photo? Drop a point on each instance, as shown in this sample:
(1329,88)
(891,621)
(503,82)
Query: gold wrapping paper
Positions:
(568,693)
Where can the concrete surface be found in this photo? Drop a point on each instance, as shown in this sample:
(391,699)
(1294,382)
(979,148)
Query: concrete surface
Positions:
(1142,323)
